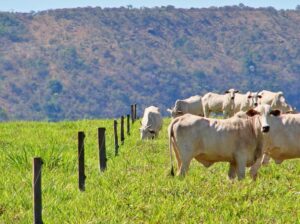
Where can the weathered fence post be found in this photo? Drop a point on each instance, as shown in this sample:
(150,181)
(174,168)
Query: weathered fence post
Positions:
(37,191)
(128,124)
(135,113)
(132,113)
(81,175)
(102,149)
(122,130)
(116,137)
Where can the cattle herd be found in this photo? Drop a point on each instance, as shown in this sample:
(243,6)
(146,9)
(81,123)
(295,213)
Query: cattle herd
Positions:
(257,126)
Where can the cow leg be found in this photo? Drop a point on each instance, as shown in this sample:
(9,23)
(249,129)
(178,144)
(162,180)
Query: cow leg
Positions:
(232,171)
(266,159)
(241,165)
(184,168)
(179,162)
(206,111)
(254,168)
(186,159)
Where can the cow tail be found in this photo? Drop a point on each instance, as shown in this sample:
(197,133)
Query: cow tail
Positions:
(171,135)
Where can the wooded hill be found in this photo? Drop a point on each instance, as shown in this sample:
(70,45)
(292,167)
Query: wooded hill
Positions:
(93,62)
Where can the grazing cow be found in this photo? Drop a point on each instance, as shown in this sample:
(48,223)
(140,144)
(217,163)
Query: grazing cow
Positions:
(192,105)
(275,99)
(213,102)
(243,102)
(234,140)
(281,141)
(151,123)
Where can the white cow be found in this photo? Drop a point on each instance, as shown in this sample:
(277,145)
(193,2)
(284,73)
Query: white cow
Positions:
(243,102)
(281,141)
(275,99)
(151,123)
(213,102)
(234,140)
(192,105)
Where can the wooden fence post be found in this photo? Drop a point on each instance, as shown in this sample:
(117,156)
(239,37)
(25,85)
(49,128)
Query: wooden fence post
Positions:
(81,175)
(102,149)
(128,124)
(135,113)
(116,137)
(37,191)
(132,113)
(122,130)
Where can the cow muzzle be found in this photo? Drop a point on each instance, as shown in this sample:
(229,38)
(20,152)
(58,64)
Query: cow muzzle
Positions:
(255,104)
(232,98)
(266,129)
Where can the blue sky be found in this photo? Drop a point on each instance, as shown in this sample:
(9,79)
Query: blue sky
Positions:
(39,5)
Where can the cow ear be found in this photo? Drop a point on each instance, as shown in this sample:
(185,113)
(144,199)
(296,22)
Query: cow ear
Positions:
(251,112)
(249,96)
(226,91)
(275,112)
(236,91)
(259,96)
(280,93)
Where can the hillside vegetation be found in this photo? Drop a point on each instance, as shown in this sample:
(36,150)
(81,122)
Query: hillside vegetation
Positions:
(136,187)
(93,62)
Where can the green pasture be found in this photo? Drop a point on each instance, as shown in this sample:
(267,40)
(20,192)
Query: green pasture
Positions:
(136,188)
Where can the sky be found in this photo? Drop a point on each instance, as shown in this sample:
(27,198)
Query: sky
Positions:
(40,5)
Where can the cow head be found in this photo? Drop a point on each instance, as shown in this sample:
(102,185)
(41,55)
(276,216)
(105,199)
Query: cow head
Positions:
(147,132)
(231,93)
(255,96)
(174,113)
(265,112)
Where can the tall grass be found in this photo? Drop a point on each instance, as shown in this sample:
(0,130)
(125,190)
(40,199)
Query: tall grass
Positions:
(136,187)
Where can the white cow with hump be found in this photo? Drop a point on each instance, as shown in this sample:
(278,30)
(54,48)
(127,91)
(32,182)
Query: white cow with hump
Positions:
(192,105)
(213,102)
(234,140)
(275,99)
(281,140)
(151,123)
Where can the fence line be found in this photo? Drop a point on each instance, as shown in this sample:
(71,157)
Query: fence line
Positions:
(102,149)
(81,174)
(37,190)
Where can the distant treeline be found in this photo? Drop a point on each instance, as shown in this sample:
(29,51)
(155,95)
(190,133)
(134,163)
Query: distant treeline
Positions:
(94,62)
